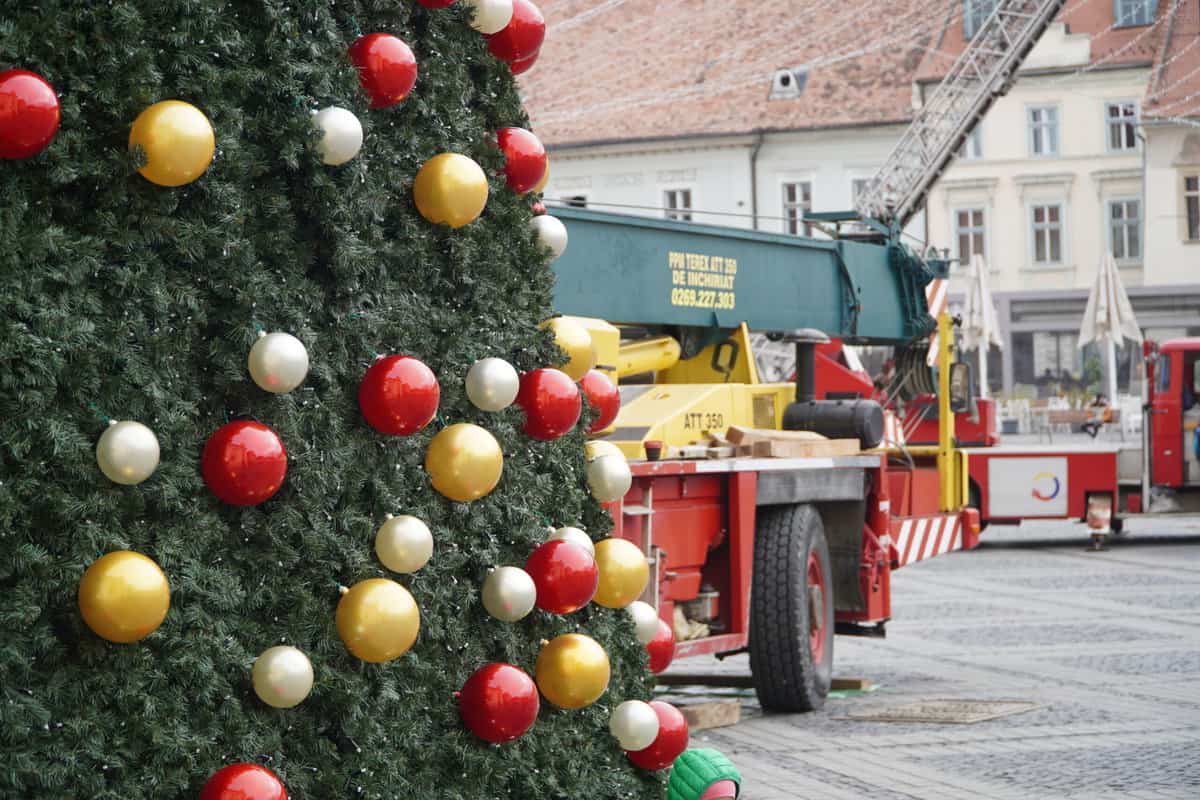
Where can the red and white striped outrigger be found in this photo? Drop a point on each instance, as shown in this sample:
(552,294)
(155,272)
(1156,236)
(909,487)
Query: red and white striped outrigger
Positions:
(917,539)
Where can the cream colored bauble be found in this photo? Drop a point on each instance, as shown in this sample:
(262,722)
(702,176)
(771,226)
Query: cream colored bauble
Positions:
(634,724)
(598,447)
(282,676)
(645,620)
(609,478)
(491,16)
(575,536)
(127,452)
(492,384)
(278,362)
(509,593)
(341,135)
(551,233)
(404,544)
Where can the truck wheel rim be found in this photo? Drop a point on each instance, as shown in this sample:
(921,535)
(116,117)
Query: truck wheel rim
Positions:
(816,609)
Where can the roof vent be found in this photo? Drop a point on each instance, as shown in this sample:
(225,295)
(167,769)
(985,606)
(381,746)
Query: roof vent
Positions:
(788,84)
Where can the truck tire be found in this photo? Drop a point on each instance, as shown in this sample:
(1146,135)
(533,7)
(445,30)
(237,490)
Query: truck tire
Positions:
(791,610)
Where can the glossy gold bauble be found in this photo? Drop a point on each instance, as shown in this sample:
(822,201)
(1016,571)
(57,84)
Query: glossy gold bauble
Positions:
(576,342)
(450,189)
(177,140)
(124,596)
(624,572)
(572,671)
(465,462)
(378,620)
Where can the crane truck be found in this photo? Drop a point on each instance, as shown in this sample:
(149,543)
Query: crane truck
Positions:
(775,555)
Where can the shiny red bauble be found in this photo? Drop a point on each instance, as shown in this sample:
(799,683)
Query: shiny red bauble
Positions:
(602,394)
(386,66)
(244,782)
(538,208)
(672,739)
(524,64)
(244,463)
(522,37)
(29,114)
(399,395)
(661,648)
(524,159)
(499,702)
(436,3)
(552,403)
(565,575)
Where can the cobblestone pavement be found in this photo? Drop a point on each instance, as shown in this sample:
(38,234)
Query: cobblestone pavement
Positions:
(1107,643)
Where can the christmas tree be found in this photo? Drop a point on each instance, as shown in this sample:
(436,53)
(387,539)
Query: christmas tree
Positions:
(181,494)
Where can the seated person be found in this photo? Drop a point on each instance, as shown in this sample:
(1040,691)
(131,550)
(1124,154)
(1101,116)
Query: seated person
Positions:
(1101,414)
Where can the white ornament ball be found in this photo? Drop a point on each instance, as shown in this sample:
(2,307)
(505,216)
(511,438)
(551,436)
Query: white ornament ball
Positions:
(645,620)
(491,16)
(341,135)
(509,594)
(634,724)
(127,452)
(575,536)
(282,676)
(404,544)
(492,384)
(609,478)
(278,362)
(551,233)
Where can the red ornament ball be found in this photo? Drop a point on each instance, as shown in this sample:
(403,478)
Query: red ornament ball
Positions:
(551,401)
(244,463)
(524,64)
(672,739)
(524,159)
(499,702)
(565,575)
(29,114)
(602,394)
(436,3)
(399,395)
(661,648)
(244,782)
(522,37)
(386,66)
(538,208)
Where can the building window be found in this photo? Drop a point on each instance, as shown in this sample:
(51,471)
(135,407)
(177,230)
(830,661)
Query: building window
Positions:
(1125,229)
(1047,234)
(1191,202)
(678,204)
(975,13)
(972,148)
(1122,121)
(797,204)
(1128,13)
(969,233)
(1043,131)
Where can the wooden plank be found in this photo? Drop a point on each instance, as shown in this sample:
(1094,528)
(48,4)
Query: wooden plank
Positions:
(739,434)
(851,684)
(825,448)
(715,714)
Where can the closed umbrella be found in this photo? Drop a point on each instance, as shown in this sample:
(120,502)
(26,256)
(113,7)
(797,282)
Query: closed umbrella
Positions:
(1109,318)
(980,328)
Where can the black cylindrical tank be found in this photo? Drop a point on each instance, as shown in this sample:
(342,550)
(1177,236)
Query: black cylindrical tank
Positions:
(838,419)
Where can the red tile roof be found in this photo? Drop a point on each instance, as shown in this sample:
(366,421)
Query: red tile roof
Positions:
(621,70)
(1174,89)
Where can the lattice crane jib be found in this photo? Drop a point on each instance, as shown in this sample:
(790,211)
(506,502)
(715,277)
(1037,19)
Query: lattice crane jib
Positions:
(983,72)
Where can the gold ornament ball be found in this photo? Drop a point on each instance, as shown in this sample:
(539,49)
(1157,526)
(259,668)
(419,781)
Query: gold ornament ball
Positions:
(572,671)
(127,452)
(598,447)
(450,189)
(178,141)
(282,676)
(124,596)
(609,478)
(378,620)
(404,544)
(623,573)
(576,342)
(464,462)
